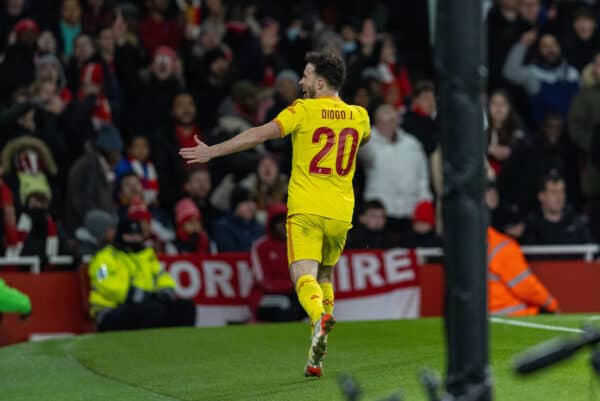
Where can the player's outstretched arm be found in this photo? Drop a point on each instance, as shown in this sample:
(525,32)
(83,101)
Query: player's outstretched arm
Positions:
(202,153)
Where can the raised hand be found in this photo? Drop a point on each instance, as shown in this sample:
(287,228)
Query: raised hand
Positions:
(201,153)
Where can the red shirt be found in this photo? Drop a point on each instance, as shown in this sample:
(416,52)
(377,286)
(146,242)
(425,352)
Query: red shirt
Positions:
(187,140)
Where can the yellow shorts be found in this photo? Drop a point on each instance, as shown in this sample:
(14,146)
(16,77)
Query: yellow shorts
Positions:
(317,238)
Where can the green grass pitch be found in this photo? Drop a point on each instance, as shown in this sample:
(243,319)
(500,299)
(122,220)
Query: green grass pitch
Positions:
(265,362)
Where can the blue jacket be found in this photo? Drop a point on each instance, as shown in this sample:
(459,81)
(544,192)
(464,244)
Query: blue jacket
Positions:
(232,234)
(550,89)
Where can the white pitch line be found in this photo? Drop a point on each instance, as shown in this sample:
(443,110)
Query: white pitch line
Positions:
(529,325)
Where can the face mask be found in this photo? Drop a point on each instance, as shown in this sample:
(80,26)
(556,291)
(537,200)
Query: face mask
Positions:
(349,47)
(293,33)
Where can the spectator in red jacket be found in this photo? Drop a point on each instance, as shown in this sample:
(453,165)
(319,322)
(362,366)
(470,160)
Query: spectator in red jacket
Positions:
(273,298)
(191,237)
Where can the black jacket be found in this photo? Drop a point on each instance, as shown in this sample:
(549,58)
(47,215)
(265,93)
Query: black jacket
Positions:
(361,237)
(571,229)
(424,128)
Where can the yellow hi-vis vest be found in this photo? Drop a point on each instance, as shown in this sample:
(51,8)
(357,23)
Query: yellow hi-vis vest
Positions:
(112,272)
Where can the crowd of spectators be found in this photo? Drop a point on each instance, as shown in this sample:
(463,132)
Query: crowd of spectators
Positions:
(97,97)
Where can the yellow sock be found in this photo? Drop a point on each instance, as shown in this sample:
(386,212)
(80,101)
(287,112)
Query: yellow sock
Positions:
(328,298)
(310,296)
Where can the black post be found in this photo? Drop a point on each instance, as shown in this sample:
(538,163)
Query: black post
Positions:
(459,63)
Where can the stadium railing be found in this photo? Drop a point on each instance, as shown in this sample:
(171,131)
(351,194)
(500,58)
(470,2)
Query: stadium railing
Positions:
(586,251)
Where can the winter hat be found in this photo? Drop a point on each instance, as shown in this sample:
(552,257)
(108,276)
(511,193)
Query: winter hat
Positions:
(98,222)
(92,73)
(287,74)
(424,212)
(185,210)
(372,73)
(138,211)
(166,51)
(109,139)
(30,184)
(26,24)
(239,195)
(53,60)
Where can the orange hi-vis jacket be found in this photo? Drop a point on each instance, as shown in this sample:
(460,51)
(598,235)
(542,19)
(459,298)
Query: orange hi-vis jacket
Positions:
(513,289)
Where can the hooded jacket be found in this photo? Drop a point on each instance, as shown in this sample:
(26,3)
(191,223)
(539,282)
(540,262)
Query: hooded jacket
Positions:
(269,258)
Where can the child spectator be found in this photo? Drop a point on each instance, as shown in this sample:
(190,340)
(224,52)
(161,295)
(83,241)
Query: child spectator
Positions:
(370,233)
(236,231)
(273,297)
(138,162)
(25,158)
(191,237)
(423,232)
(37,233)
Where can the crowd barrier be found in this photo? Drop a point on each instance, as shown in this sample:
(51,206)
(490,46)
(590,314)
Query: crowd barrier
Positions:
(370,284)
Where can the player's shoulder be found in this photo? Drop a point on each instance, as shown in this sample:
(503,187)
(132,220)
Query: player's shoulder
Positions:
(360,111)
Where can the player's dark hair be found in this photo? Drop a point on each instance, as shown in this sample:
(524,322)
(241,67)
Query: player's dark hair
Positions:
(552,177)
(330,66)
(372,204)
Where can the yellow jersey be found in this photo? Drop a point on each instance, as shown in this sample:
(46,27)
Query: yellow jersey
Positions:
(326,134)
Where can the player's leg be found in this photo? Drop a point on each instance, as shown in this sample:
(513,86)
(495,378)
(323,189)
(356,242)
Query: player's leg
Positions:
(304,245)
(304,242)
(310,295)
(334,242)
(324,277)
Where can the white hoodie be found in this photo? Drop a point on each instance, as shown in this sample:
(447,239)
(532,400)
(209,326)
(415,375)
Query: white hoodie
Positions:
(396,173)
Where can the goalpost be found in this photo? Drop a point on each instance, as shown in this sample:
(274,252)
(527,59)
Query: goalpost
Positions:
(460,71)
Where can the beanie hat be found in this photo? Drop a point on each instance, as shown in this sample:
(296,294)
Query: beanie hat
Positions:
(185,210)
(109,139)
(239,195)
(166,51)
(287,74)
(98,222)
(424,212)
(26,24)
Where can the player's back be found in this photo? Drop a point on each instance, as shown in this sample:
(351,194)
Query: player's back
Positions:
(326,134)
